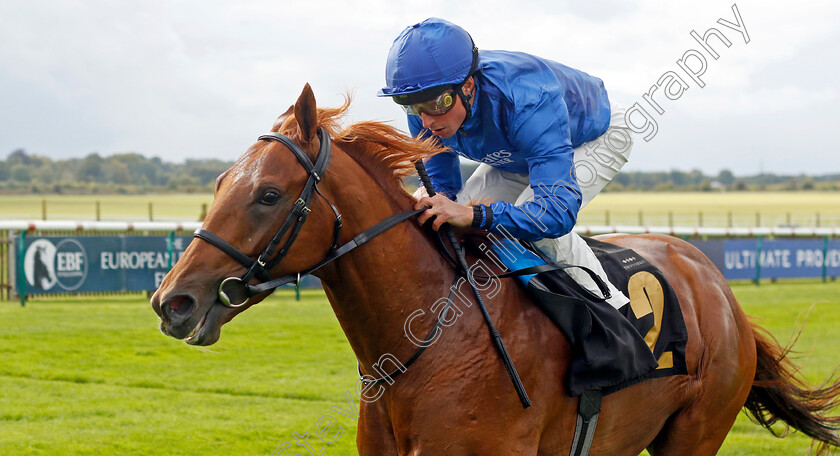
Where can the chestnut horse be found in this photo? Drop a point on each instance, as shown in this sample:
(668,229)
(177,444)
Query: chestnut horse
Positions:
(457,398)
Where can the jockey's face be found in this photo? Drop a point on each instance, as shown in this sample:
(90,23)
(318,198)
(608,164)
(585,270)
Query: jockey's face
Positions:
(446,125)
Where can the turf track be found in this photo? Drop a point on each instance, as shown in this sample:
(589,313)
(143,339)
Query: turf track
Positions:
(86,376)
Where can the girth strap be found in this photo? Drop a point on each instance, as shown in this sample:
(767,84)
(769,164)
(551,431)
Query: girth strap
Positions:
(589,407)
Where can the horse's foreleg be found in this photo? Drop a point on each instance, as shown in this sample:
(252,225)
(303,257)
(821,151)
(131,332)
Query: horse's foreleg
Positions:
(375,436)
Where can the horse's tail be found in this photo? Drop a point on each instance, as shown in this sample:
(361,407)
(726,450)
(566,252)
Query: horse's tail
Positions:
(779,393)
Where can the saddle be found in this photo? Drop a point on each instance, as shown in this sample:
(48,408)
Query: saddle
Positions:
(611,348)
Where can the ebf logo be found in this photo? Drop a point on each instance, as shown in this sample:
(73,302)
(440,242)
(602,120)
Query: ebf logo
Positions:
(64,264)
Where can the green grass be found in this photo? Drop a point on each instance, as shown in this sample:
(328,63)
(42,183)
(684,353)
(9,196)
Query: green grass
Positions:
(89,376)
(748,209)
(179,206)
(95,376)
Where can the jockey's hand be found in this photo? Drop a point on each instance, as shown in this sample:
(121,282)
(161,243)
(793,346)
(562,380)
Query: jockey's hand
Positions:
(420,192)
(444,210)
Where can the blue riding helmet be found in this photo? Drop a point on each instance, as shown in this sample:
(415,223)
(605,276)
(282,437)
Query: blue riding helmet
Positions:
(426,59)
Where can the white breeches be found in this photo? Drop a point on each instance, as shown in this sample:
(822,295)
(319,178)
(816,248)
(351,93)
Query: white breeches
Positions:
(596,163)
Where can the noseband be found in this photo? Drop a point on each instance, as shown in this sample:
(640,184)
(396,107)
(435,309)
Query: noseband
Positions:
(267,260)
(237,291)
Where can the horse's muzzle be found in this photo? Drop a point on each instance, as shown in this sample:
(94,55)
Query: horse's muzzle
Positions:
(175,313)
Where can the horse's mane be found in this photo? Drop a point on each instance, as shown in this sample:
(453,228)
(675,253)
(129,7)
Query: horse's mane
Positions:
(385,152)
(388,155)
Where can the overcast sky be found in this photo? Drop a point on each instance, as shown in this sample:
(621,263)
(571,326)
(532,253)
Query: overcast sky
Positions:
(202,79)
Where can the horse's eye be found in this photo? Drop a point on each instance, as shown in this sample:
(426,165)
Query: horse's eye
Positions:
(270,198)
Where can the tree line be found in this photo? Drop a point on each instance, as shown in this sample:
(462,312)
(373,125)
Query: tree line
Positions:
(131,172)
(725,180)
(119,173)
(696,181)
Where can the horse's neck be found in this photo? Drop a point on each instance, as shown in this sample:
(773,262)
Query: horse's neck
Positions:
(377,286)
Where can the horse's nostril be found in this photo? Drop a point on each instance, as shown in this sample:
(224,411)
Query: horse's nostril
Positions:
(179,306)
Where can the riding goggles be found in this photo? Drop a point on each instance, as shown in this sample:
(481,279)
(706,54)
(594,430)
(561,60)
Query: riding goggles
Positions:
(437,106)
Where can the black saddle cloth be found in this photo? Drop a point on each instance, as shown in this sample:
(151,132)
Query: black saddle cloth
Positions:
(615,348)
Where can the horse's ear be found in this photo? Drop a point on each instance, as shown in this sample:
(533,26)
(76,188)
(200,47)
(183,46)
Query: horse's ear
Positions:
(279,122)
(306,114)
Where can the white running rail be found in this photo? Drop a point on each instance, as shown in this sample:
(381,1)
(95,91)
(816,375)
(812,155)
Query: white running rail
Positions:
(49,225)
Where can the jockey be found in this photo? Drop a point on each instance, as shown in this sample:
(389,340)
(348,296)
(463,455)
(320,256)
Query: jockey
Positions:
(547,136)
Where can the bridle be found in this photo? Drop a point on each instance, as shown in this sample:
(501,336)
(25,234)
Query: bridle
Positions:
(234,287)
(267,260)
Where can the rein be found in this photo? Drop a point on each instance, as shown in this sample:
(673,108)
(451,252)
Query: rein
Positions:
(235,292)
(240,287)
(234,287)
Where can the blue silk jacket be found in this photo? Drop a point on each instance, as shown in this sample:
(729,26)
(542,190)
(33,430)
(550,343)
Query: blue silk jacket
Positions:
(528,115)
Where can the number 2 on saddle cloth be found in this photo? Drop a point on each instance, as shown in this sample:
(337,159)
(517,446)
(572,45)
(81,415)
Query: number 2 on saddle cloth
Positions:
(611,348)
